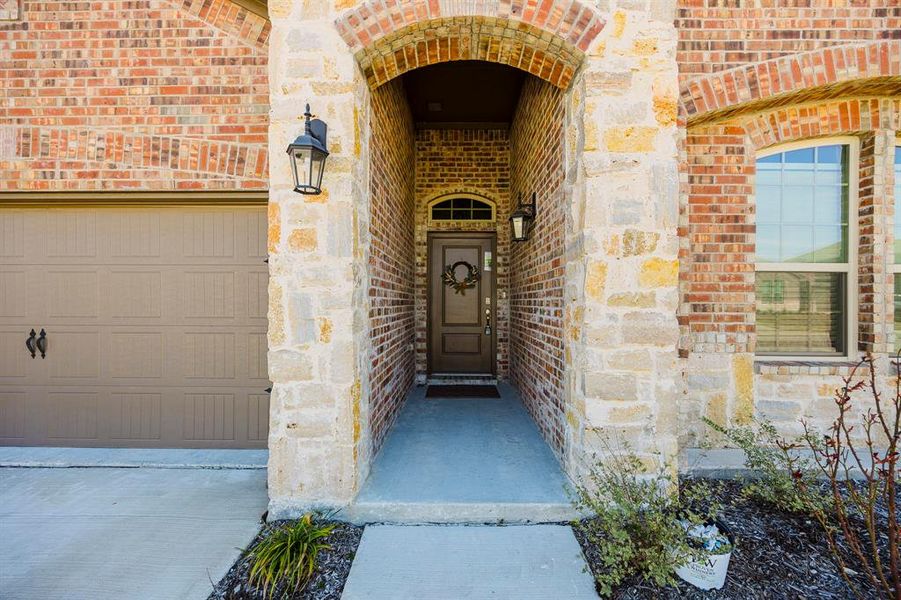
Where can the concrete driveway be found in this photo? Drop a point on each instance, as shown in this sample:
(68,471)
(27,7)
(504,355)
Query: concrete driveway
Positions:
(118,533)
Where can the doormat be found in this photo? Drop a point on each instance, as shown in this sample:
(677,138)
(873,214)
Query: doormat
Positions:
(462,391)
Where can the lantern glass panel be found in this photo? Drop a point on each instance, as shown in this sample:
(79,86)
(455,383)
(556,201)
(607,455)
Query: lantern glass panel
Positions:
(316,168)
(517,222)
(302,164)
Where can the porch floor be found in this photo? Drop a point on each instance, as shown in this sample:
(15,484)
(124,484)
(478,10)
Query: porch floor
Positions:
(464,460)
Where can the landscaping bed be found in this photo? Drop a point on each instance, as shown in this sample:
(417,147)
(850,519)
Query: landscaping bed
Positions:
(332,569)
(777,555)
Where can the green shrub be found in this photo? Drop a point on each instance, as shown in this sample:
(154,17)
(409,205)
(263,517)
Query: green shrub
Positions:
(777,469)
(287,557)
(640,527)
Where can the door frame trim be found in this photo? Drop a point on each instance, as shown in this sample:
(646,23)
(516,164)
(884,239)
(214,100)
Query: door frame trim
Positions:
(456,235)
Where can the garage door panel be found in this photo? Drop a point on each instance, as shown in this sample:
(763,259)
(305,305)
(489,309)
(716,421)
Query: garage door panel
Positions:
(14,355)
(209,417)
(253,232)
(13,294)
(156,326)
(69,234)
(209,294)
(12,236)
(12,415)
(22,296)
(257,348)
(131,234)
(134,416)
(72,415)
(209,355)
(208,235)
(134,294)
(257,295)
(73,354)
(216,296)
(73,294)
(136,355)
(164,418)
(257,417)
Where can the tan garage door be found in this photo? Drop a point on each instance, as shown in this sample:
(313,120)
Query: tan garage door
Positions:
(155,322)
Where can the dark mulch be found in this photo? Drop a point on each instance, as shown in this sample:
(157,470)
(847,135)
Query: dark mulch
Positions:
(327,583)
(462,391)
(777,555)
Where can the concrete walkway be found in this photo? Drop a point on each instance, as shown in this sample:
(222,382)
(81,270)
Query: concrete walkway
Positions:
(113,533)
(538,562)
(464,460)
(157,458)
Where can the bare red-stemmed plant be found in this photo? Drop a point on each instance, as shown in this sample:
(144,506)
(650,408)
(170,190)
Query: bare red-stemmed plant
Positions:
(862,473)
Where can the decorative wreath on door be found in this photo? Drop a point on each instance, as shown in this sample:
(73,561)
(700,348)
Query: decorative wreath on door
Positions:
(450,277)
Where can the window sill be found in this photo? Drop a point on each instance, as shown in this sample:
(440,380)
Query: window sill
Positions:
(812,366)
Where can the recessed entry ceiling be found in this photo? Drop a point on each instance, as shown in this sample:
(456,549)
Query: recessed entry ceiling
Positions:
(463,94)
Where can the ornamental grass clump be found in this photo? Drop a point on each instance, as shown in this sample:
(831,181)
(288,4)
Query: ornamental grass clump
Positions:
(641,518)
(286,558)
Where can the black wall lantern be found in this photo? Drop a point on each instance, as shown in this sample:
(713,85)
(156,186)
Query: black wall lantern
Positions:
(308,154)
(521,220)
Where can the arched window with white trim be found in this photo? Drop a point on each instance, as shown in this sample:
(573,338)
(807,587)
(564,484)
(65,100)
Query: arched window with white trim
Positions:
(806,290)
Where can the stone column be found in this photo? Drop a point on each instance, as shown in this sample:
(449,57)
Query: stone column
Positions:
(622,247)
(317,244)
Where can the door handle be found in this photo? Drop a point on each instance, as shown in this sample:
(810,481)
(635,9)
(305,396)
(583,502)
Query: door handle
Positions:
(487,321)
(42,344)
(31,344)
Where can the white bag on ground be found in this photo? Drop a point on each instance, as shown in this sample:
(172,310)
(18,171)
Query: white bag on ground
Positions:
(709,573)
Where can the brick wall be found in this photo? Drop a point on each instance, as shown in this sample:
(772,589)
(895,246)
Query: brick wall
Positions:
(753,77)
(537,265)
(462,160)
(715,35)
(876,241)
(144,94)
(717,243)
(388,38)
(717,248)
(391,317)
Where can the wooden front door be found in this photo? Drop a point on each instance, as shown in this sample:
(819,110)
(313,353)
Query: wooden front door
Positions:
(460,339)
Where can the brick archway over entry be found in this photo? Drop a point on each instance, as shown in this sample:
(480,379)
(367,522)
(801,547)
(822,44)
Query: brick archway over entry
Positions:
(872,69)
(393,37)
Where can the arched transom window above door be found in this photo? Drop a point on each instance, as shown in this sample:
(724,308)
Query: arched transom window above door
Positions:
(461,208)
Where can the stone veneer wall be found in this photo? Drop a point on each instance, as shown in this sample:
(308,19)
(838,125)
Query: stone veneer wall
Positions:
(622,189)
(537,265)
(133,95)
(391,302)
(620,194)
(475,161)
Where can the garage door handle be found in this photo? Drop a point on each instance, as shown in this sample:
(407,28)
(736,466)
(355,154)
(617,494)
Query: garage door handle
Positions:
(42,343)
(30,343)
